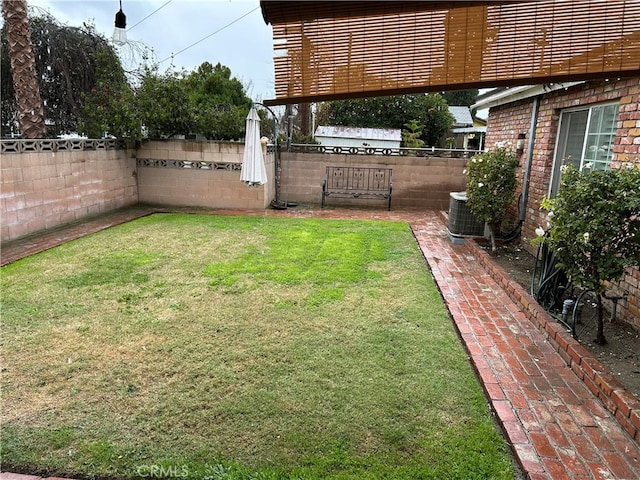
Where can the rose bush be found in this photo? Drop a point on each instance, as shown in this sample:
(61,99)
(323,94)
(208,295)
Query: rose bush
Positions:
(595,227)
(491,186)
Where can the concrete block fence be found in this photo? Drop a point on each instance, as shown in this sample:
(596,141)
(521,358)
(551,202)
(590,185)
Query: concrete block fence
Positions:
(199,174)
(46,184)
(43,187)
(418,182)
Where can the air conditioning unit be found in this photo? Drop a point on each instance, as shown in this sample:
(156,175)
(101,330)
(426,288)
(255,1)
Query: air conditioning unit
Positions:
(461,220)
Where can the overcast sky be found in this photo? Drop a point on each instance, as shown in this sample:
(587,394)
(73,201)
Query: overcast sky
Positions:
(237,34)
(185,33)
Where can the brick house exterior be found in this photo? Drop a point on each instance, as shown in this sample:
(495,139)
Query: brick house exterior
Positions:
(510,116)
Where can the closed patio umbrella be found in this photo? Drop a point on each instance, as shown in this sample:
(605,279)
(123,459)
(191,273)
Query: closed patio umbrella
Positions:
(253,170)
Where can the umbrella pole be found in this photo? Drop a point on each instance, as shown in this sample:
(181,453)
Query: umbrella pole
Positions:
(276,160)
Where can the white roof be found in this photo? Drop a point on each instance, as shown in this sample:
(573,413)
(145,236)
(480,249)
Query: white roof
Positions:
(359,133)
(469,130)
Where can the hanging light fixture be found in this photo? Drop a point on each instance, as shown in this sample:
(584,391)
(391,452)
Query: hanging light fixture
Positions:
(120,32)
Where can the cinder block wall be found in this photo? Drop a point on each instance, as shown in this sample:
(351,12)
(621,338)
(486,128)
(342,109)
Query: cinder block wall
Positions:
(43,190)
(421,182)
(46,189)
(199,174)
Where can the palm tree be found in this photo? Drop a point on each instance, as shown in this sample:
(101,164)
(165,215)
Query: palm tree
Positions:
(23,69)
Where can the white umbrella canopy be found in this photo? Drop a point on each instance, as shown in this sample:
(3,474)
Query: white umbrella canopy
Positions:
(253,170)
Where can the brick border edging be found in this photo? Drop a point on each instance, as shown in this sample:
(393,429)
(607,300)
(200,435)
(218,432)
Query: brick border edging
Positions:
(614,396)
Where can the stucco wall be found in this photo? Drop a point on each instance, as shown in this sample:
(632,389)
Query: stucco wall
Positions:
(423,182)
(43,190)
(507,121)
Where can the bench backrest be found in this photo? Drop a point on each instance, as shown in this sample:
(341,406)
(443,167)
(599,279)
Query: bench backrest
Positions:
(359,179)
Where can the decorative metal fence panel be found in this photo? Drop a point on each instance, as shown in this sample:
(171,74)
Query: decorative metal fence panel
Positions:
(386,151)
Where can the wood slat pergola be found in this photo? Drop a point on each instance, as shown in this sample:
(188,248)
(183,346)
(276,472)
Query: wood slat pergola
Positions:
(349,49)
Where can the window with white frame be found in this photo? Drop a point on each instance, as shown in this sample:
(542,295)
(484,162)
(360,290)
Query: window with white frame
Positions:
(585,139)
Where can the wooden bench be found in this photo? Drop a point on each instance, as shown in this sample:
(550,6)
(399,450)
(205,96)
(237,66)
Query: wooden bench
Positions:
(358,182)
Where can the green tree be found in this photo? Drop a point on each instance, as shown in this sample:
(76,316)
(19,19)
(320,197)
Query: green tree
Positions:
(391,112)
(595,228)
(66,61)
(207,101)
(219,102)
(411,135)
(110,106)
(461,97)
(491,187)
(163,104)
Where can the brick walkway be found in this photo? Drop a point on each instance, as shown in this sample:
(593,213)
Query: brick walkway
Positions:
(556,426)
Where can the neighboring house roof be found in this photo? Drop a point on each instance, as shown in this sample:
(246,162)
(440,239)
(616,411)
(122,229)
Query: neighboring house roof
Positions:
(359,133)
(504,95)
(479,122)
(469,130)
(462,116)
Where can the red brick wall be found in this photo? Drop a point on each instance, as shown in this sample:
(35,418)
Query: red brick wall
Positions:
(507,121)
(504,125)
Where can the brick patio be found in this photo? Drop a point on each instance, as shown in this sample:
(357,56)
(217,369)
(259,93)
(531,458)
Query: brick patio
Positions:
(563,416)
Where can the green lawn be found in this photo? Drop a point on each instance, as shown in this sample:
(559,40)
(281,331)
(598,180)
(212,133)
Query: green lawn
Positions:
(216,347)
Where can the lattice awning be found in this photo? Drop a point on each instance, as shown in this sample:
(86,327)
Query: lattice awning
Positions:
(334,50)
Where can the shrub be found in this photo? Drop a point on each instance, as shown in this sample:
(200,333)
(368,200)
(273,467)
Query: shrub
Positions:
(491,186)
(595,227)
